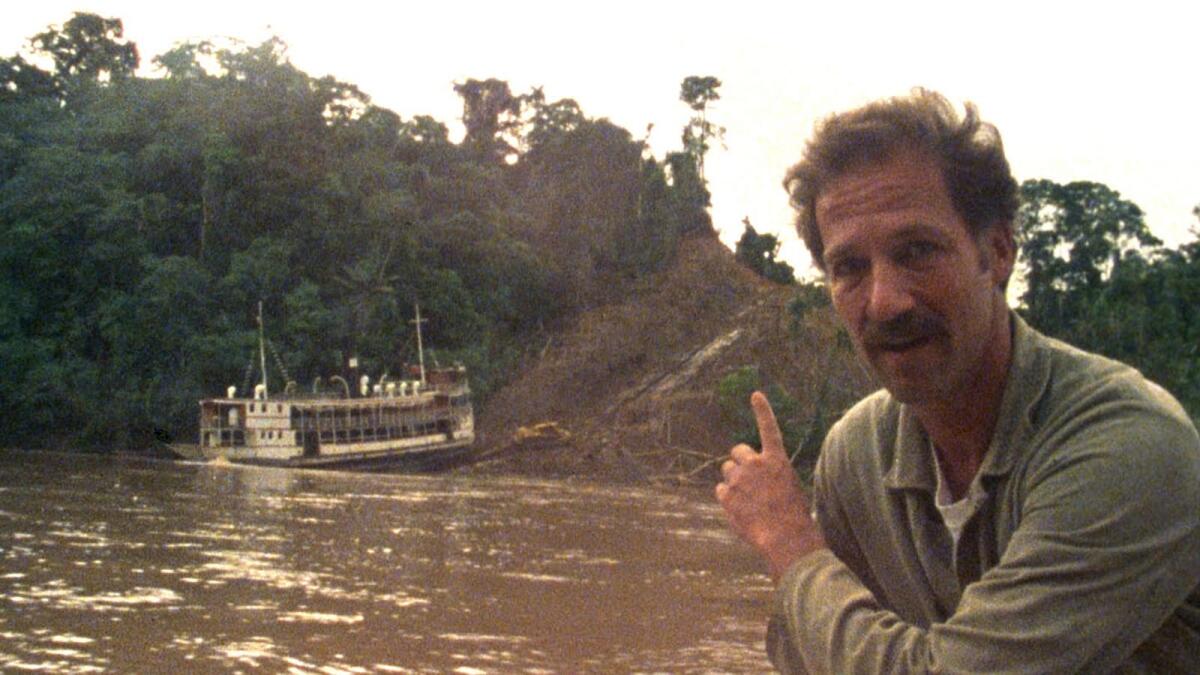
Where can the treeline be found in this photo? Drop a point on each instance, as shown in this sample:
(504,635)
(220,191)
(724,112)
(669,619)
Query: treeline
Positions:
(144,218)
(1095,276)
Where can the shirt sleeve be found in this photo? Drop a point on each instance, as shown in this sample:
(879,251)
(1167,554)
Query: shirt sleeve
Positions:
(1107,547)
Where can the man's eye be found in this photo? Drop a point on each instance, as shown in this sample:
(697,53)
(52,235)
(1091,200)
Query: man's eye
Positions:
(847,268)
(916,251)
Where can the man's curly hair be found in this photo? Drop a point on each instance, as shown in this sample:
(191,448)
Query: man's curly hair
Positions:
(968,150)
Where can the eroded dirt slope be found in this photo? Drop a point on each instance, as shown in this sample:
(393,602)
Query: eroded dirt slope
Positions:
(632,384)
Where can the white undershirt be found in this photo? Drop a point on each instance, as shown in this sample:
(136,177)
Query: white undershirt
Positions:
(954,513)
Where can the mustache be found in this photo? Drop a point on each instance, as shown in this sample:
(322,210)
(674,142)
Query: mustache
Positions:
(907,328)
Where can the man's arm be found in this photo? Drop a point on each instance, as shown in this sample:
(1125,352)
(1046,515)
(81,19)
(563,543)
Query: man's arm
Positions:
(1108,545)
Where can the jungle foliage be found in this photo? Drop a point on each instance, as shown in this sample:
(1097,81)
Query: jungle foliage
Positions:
(144,219)
(1095,276)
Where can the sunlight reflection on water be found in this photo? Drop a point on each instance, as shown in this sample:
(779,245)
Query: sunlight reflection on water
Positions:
(119,565)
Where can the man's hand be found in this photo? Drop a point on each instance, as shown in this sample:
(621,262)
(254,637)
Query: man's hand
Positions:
(762,499)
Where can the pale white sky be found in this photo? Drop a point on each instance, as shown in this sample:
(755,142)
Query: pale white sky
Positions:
(1079,90)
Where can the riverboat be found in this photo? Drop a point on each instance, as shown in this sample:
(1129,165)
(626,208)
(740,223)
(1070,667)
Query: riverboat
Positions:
(422,422)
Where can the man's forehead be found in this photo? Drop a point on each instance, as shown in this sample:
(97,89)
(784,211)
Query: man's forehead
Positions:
(869,198)
(898,183)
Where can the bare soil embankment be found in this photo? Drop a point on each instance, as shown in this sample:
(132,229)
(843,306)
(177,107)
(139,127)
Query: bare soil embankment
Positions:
(627,390)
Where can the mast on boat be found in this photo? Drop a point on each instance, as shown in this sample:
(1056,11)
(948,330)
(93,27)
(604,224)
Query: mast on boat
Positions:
(262,349)
(420,348)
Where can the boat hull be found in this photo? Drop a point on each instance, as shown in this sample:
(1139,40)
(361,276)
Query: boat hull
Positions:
(427,456)
(423,427)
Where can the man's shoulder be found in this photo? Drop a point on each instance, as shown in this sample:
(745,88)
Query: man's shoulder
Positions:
(1093,408)
(1082,383)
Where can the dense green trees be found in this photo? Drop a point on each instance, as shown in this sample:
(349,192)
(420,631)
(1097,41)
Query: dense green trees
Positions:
(1074,240)
(1094,276)
(145,218)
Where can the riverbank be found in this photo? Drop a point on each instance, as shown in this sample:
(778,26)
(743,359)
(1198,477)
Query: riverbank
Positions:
(628,390)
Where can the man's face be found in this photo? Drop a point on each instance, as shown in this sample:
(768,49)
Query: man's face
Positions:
(919,295)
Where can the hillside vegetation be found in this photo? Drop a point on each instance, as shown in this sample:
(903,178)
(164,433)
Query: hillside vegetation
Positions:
(145,219)
(574,273)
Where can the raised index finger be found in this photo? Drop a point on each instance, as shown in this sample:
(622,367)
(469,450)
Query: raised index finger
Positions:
(768,428)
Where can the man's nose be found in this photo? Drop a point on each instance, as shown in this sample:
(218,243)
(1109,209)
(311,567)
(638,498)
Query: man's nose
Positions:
(890,293)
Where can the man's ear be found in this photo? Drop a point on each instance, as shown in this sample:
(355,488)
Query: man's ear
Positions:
(1000,251)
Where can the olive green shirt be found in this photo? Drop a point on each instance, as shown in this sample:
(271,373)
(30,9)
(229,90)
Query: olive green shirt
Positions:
(1082,556)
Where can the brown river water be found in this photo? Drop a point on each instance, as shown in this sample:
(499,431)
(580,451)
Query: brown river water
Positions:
(136,566)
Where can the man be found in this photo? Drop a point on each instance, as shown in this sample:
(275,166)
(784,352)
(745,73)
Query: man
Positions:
(1006,503)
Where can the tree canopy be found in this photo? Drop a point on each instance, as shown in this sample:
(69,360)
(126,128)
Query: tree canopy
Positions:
(1096,277)
(698,92)
(144,218)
